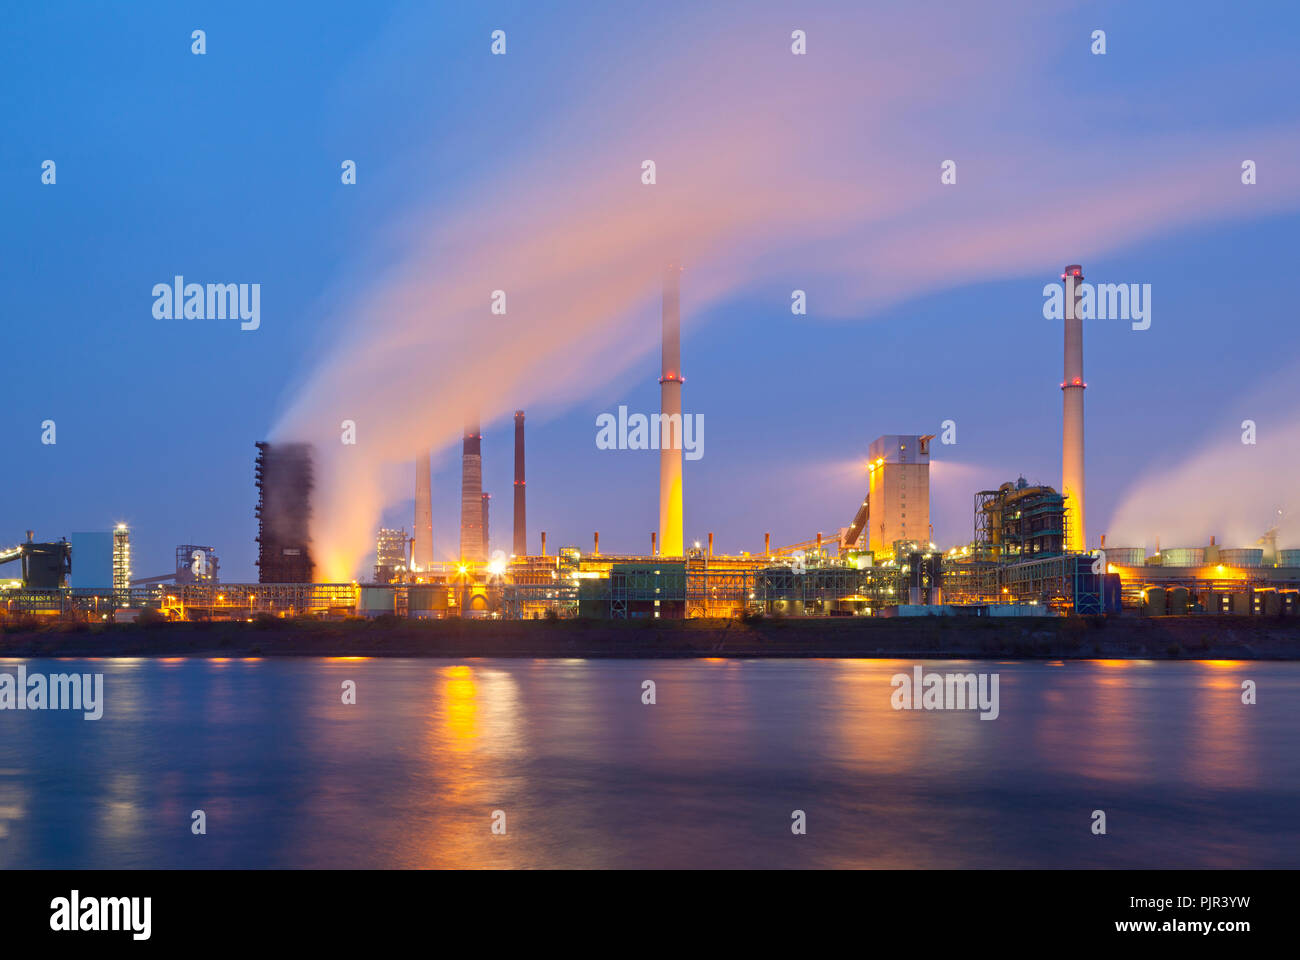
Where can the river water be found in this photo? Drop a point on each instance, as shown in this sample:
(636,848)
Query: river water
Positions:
(567,759)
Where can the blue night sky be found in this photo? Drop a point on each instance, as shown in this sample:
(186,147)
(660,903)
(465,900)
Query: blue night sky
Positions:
(924,305)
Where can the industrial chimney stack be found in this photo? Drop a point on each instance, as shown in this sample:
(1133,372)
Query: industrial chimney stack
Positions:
(422,550)
(1072,483)
(521,523)
(471,495)
(670,403)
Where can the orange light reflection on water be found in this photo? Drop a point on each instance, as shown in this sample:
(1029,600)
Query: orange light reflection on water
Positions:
(1223,752)
(1093,720)
(473,739)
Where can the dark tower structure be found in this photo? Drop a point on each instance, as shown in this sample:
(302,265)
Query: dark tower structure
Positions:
(471,495)
(521,523)
(45,566)
(284,485)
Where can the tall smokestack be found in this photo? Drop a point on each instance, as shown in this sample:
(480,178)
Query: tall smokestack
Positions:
(654,551)
(422,549)
(767,544)
(521,523)
(596,544)
(1072,484)
(487,503)
(670,405)
(471,495)
(543,543)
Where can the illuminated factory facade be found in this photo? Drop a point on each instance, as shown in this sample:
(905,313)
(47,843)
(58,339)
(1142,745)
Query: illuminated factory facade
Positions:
(898,492)
(1028,554)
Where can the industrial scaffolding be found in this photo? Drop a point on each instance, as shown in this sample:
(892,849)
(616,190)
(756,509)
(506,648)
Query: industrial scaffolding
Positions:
(201,600)
(121,559)
(728,588)
(1061,583)
(1018,522)
(527,601)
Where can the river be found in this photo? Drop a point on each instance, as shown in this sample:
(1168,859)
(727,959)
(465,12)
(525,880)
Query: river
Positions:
(572,769)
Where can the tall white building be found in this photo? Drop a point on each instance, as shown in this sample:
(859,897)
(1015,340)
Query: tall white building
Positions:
(898,497)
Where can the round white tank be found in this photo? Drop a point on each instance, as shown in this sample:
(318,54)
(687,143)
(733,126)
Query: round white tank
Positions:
(376,601)
(1126,556)
(1246,557)
(1182,557)
(424,601)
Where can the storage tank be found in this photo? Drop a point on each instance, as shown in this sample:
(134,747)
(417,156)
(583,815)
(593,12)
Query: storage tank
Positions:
(1288,558)
(1246,557)
(1182,557)
(1154,604)
(1178,599)
(376,601)
(425,601)
(1126,556)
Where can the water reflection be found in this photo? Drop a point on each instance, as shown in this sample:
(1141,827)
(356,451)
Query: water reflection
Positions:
(1223,749)
(590,775)
(1098,722)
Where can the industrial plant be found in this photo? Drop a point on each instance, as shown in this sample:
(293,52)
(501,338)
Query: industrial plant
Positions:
(1028,554)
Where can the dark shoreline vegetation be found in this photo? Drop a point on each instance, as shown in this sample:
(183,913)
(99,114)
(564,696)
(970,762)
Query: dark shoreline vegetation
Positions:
(1189,637)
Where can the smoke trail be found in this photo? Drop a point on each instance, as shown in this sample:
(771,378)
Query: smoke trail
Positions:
(1227,489)
(765,162)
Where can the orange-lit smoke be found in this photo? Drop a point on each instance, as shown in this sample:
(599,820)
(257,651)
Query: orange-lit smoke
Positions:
(769,166)
(1227,489)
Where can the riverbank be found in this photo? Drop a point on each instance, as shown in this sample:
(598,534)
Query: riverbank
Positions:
(1205,637)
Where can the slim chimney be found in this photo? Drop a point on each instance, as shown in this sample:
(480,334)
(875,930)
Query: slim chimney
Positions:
(596,545)
(471,494)
(710,544)
(653,550)
(1072,482)
(487,502)
(767,544)
(670,404)
(422,546)
(521,524)
(543,543)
